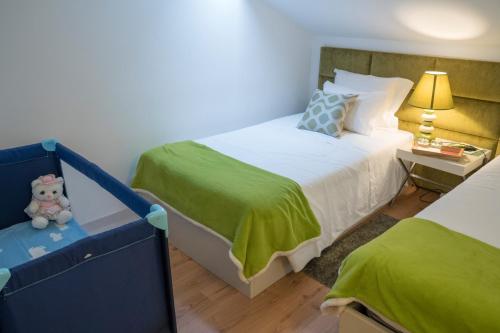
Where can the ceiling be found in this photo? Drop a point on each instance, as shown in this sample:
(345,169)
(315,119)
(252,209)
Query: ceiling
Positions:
(476,22)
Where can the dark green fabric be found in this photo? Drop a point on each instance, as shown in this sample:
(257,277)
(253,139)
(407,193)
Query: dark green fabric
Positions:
(261,213)
(400,65)
(426,278)
(346,59)
(472,79)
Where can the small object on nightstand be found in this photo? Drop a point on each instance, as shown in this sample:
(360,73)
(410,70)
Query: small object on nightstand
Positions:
(468,148)
(452,150)
(442,152)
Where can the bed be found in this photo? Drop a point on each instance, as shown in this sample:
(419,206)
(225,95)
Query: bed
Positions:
(344,180)
(469,212)
(469,216)
(63,279)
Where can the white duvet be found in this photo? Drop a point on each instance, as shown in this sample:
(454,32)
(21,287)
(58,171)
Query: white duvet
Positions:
(473,207)
(344,179)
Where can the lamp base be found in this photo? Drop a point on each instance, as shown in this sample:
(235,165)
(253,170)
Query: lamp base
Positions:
(425,136)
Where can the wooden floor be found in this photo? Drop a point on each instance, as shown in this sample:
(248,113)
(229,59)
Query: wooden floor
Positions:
(204,303)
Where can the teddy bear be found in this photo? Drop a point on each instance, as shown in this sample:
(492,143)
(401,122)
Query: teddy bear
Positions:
(48,202)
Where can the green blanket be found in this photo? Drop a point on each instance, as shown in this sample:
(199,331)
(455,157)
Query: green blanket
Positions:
(426,278)
(259,212)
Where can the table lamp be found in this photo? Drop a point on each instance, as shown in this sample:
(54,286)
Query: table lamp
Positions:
(432,93)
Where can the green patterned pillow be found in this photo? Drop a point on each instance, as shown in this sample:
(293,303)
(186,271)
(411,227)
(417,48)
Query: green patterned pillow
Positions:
(326,113)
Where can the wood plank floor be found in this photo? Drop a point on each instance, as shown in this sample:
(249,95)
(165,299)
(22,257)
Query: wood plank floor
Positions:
(205,303)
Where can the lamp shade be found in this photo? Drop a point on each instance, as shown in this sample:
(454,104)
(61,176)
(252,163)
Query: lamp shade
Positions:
(433,92)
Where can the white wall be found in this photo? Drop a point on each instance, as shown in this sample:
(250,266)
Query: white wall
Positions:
(450,49)
(449,28)
(112,78)
(463,21)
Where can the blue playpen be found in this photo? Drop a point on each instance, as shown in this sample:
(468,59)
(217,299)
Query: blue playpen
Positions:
(115,281)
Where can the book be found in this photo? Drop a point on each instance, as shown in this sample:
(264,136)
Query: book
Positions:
(447,152)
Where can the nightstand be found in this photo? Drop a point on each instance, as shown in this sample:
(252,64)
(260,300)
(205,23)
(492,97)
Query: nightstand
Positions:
(465,166)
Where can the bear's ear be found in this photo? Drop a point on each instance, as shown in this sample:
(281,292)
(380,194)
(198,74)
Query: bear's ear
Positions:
(35,183)
(60,180)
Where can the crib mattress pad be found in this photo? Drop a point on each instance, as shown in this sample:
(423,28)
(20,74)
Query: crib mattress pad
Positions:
(21,242)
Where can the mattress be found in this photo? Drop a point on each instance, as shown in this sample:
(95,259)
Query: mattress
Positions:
(344,179)
(21,242)
(472,208)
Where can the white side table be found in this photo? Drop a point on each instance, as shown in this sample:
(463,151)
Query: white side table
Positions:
(462,168)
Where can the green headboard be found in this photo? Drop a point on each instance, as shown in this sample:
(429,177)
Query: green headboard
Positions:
(475,86)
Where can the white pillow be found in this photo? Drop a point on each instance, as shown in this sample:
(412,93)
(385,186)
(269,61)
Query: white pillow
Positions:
(396,88)
(368,107)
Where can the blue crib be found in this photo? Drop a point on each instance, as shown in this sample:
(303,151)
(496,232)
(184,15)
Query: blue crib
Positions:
(116,281)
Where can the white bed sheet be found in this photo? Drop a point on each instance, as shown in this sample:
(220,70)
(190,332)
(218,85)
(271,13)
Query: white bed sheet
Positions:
(344,179)
(473,207)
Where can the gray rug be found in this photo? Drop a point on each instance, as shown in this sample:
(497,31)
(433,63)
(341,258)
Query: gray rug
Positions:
(325,268)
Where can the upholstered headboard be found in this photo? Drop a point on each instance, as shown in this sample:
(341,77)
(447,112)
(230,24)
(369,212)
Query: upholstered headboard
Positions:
(475,86)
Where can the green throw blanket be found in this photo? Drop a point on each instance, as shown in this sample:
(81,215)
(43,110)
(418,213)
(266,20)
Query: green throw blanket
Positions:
(426,278)
(262,214)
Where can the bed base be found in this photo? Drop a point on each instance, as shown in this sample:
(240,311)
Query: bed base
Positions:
(211,252)
(353,321)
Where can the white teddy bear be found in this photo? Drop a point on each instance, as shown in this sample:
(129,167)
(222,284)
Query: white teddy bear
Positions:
(48,202)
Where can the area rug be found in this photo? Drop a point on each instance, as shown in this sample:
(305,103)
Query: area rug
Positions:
(325,268)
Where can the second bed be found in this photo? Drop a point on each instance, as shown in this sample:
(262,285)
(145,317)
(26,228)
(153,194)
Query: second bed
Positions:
(447,283)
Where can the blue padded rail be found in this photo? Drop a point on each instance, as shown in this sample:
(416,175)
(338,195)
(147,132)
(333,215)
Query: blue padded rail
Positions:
(16,154)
